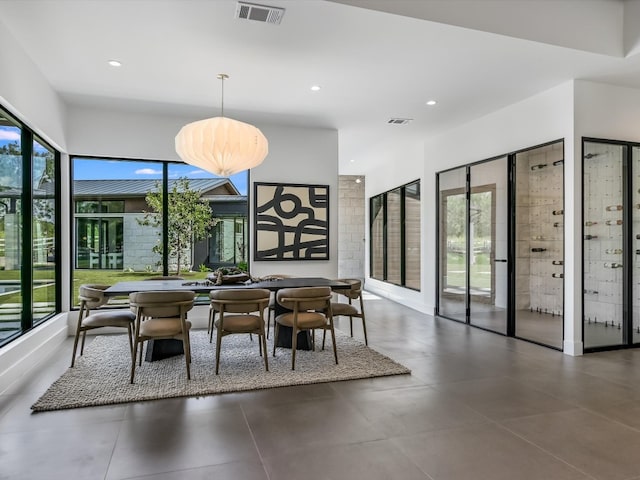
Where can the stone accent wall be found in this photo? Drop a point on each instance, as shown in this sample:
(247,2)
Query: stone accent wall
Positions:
(138,244)
(351,227)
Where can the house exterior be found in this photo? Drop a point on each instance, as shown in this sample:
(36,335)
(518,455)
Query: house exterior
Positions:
(108,233)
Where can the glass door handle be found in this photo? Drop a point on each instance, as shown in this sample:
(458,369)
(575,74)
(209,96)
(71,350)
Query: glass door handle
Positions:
(500,260)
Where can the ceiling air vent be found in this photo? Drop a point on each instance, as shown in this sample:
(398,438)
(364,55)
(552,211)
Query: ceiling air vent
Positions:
(399,121)
(259,13)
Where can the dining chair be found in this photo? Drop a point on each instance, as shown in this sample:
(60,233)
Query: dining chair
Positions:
(237,314)
(272,299)
(91,316)
(349,309)
(161,315)
(310,309)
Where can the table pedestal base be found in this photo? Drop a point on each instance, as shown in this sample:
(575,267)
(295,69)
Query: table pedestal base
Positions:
(164,348)
(284,338)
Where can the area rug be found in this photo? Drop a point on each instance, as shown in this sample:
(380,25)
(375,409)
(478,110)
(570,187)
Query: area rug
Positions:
(101,375)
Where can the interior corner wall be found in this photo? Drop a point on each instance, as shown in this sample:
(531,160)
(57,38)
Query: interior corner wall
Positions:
(296,155)
(26,94)
(396,163)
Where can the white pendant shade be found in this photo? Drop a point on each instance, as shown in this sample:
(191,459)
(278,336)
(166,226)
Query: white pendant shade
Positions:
(221,145)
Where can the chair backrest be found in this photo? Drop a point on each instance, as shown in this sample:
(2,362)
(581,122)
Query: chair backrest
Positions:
(307,298)
(93,295)
(162,304)
(354,292)
(240,300)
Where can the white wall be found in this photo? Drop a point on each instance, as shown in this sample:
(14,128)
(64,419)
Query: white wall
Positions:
(26,93)
(307,156)
(396,165)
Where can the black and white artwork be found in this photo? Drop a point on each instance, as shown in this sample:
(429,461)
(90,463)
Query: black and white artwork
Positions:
(291,221)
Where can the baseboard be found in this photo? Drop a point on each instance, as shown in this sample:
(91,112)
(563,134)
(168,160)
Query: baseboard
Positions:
(573,348)
(26,352)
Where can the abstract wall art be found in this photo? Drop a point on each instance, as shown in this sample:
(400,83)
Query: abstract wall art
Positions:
(291,221)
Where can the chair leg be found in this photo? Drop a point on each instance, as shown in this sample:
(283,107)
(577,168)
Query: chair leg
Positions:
(276,330)
(84,335)
(130,334)
(324,336)
(269,310)
(140,354)
(75,347)
(333,338)
(294,344)
(218,344)
(212,321)
(364,328)
(351,325)
(264,348)
(133,359)
(186,344)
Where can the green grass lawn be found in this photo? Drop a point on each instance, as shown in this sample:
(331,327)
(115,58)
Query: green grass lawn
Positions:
(480,272)
(80,277)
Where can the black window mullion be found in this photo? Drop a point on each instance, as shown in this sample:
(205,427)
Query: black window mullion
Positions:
(384,236)
(403,237)
(26,270)
(165,218)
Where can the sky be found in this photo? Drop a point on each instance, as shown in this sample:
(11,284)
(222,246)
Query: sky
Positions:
(101,169)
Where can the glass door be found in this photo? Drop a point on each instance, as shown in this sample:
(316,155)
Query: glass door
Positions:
(539,241)
(604,177)
(452,277)
(488,245)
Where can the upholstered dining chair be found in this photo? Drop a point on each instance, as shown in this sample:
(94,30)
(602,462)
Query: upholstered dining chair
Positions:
(354,293)
(272,299)
(91,316)
(237,310)
(310,310)
(161,315)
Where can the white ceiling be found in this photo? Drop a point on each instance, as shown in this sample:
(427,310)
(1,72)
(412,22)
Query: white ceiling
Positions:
(373,63)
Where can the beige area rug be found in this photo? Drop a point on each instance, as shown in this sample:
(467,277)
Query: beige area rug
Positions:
(101,375)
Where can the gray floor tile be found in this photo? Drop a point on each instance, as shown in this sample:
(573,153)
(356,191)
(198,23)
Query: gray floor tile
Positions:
(378,460)
(245,470)
(604,449)
(311,424)
(483,452)
(178,442)
(502,398)
(59,453)
(403,412)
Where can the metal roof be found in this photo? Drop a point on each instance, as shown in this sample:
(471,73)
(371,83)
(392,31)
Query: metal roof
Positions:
(140,187)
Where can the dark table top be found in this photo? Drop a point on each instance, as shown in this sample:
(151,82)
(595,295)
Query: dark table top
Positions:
(125,288)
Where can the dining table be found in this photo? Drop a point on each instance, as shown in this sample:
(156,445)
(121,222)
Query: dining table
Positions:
(165,348)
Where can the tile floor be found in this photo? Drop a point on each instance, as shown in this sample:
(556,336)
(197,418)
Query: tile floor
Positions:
(477,406)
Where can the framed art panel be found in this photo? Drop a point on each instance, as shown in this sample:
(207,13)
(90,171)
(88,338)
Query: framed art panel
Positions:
(291,221)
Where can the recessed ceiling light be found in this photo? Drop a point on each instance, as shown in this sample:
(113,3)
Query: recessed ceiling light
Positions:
(115,63)
(431,103)
(358,180)
(352,160)
(315,88)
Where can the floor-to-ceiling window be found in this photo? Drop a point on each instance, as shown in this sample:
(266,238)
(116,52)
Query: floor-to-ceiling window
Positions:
(29,229)
(395,236)
(137,219)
